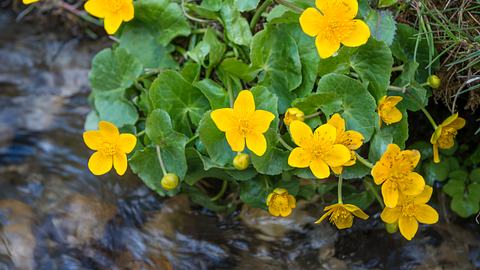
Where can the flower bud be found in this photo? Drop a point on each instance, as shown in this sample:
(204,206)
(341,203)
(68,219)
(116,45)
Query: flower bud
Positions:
(293,114)
(169,181)
(241,161)
(434,81)
(391,227)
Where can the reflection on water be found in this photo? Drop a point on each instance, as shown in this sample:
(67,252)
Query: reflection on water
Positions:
(55,215)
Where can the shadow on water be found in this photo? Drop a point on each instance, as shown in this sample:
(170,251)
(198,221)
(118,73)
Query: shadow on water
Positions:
(55,215)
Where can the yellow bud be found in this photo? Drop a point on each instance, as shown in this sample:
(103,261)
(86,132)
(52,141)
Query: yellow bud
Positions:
(169,181)
(391,228)
(434,81)
(241,161)
(293,114)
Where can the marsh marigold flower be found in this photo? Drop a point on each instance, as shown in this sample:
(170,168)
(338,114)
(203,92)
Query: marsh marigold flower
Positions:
(169,181)
(434,81)
(111,148)
(410,211)
(113,12)
(342,215)
(333,23)
(350,138)
(319,151)
(293,114)
(241,161)
(388,111)
(280,203)
(28,2)
(244,123)
(395,171)
(444,135)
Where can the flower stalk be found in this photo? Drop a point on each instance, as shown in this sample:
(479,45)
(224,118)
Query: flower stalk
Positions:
(364,161)
(339,188)
(160,160)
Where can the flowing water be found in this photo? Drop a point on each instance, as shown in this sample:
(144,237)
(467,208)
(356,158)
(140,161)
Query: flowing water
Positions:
(54,214)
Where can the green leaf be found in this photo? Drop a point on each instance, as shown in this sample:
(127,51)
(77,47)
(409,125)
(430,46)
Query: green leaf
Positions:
(202,11)
(183,102)
(217,48)
(378,145)
(254,192)
(236,27)
(116,109)
(415,95)
(310,104)
(145,164)
(475,175)
(425,149)
(197,165)
(277,56)
(199,53)
(373,63)
(382,25)
(361,199)
(216,95)
(454,187)
(356,171)
(238,68)
(172,144)
(465,206)
(197,196)
(282,14)
(191,71)
(150,52)
(436,171)
(386,3)
(352,101)
(164,17)
(215,141)
(247,5)
(91,121)
(213,5)
(339,63)
(114,70)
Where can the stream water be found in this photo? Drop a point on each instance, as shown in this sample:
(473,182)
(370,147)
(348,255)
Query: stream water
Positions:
(54,214)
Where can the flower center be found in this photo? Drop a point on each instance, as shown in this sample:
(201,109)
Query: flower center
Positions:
(108,149)
(337,29)
(341,216)
(446,139)
(244,126)
(280,202)
(408,209)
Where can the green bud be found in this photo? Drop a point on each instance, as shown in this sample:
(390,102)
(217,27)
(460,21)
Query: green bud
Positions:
(391,228)
(434,81)
(169,181)
(241,161)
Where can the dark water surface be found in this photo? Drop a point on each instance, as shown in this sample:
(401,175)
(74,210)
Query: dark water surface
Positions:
(54,214)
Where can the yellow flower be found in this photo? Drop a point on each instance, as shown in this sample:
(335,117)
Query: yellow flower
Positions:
(169,181)
(112,11)
(241,161)
(244,123)
(410,211)
(351,139)
(111,147)
(334,24)
(280,203)
(342,214)
(434,81)
(387,111)
(318,150)
(293,114)
(395,171)
(28,2)
(444,135)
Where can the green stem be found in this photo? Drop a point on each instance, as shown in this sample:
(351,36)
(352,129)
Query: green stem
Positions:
(284,143)
(397,68)
(339,189)
(312,115)
(140,133)
(221,192)
(193,138)
(364,161)
(430,118)
(396,88)
(259,12)
(230,92)
(160,160)
(373,190)
(291,6)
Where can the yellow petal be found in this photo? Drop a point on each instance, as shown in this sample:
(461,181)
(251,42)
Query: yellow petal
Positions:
(390,194)
(235,140)
(324,216)
(97,8)
(412,157)
(285,212)
(292,202)
(299,158)
(351,139)
(426,214)
(269,198)
(413,184)
(338,122)
(391,101)
(301,133)
(320,169)
(108,130)
(408,226)
(112,23)
(458,123)
(257,143)
(27,2)
(274,211)
(326,135)
(333,206)
(127,11)
(344,222)
(223,118)
(93,139)
(449,120)
(346,9)
(244,104)
(120,163)
(436,156)
(381,169)
(326,47)
(391,215)
(359,34)
(127,142)
(338,156)
(311,21)
(337,170)
(99,164)
(260,120)
(425,196)
(393,115)
(356,211)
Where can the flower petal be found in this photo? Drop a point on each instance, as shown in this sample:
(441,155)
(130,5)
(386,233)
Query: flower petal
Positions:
(260,120)
(356,211)
(338,156)
(426,214)
(411,157)
(97,8)
(390,116)
(325,135)
(301,133)
(320,169)
(381,169)
(126,142)
(458,123)
(359,34)
(244,104)
(112,23)
(127,11)
(326,46)
(338,122)
(390,194)
(391,215)
(346,9)
(311,21)
(120,163)
(99,163)
(328,213)
(413,184)
(93,139)
(223,118)
(351,139)
(27,2)
(257,143)
(425,196)
(235,140)
(299,158)
(108,130)
(408,226)
(292,202)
